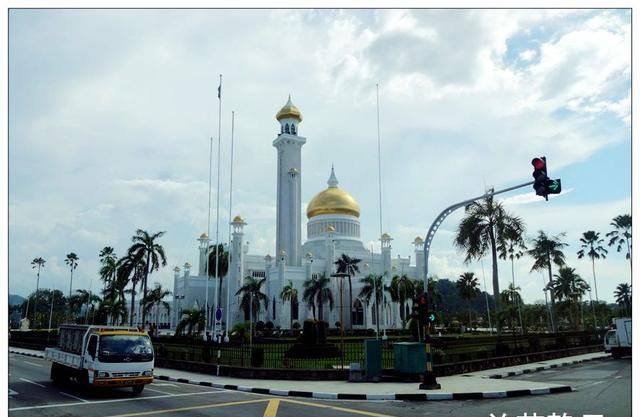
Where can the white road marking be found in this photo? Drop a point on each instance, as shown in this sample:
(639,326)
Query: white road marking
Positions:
(164,384)
(34,364)
(85,402)
(158,391)
(73,396)
(31,382)
(12,392)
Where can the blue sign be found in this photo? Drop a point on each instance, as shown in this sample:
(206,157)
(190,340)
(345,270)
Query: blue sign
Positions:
(218,314)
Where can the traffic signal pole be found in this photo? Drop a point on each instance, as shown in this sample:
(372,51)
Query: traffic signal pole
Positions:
(445,213)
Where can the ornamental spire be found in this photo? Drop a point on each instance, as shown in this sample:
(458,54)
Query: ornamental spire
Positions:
(333,181)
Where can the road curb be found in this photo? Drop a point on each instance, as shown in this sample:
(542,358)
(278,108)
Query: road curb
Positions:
(439,396)
(541,368)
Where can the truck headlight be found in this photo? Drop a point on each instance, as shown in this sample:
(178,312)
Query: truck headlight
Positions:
(148,373)
(103,374)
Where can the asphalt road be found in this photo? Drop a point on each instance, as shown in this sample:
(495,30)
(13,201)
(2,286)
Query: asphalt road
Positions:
(602,388)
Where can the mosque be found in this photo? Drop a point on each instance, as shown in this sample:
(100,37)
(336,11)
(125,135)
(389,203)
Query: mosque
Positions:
(333,229)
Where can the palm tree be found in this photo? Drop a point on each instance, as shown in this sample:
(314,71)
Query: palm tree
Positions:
(623,297)
(108,264)
(512,247)
(72,262)
(373,287)
(115,309)
(571,287)
(468,289)
(155,298)
(511,297)
(85,297)
(251,296)
(222,266)
(317,292)
(192,319)
(289,293)
(348,265)
(401,290)
(36,263)
(130,269)
(591,240)
(621,234)
(485,225)
(544,252)
(146,249)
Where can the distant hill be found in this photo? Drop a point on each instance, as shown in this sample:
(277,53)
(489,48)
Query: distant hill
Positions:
(15,299)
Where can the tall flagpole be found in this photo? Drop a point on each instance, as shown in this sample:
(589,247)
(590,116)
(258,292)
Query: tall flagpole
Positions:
(218,191)
(384,315)
(206,262)
(226,336)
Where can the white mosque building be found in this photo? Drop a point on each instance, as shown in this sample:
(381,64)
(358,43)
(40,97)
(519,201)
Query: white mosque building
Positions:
(333,228)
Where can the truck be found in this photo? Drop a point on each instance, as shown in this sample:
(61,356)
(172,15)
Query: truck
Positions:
(102,356)
(618,341)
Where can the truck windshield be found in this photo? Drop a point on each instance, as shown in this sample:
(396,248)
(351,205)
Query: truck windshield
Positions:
(125,348)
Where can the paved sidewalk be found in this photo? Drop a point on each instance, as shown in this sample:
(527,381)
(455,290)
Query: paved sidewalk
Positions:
(476,385)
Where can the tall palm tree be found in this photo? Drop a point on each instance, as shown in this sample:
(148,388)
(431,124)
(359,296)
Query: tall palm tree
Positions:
(251,296)
(348,265)
(155,298)
(468,288)
(289,294)
(130,270)
(512,248)
(623,297)
(115,309)
(621,234)
(485,225)
(316,292)
(545,251)
(146,248)
(37,263)
(222,266)
(85,297)
(373,288)
(401,290)
(592,247)
(72,262)
(108,264)
(571,287)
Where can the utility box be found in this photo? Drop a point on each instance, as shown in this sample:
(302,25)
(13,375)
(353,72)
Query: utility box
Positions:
(409,357)
(372,360)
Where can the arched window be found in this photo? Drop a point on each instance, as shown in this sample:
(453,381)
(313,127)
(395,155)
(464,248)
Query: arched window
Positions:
(274,308)
(286,128)
(357,313)
(293,129)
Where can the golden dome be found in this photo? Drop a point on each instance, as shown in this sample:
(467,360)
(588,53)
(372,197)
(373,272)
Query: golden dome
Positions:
(418,241)
(386,236)
(204,236)
(333,200)
(289,110)
(238,219)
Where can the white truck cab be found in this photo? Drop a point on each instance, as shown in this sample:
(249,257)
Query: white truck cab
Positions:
(102,356)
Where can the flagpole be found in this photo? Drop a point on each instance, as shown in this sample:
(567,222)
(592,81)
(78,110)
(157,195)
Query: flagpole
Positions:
(206,262)
(226,336)
(218,192)
(384,314)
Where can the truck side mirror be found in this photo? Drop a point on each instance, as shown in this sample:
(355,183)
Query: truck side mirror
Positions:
(93,346)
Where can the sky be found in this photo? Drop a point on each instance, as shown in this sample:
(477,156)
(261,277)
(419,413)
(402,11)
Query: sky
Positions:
(111,115)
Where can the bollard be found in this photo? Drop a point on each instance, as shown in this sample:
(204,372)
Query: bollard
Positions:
(429,378)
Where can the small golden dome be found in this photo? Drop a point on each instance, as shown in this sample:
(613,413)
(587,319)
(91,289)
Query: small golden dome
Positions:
(289,110)
(386,236)
(418,241)
(333,200)
(204,236)
(238,219)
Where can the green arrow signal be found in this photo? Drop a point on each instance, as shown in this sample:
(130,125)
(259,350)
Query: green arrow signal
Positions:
(554,185)
(432,317)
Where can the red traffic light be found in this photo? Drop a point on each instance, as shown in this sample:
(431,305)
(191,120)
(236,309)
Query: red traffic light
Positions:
(538,163)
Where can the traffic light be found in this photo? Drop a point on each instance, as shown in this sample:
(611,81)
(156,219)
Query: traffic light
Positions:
(540,175)
(423,309)
(542,183)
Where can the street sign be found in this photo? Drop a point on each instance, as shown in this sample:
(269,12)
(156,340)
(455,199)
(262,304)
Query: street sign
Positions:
(218,314)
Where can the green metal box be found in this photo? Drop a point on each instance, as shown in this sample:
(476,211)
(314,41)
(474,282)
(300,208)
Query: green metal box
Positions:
(372,359)
(409,357)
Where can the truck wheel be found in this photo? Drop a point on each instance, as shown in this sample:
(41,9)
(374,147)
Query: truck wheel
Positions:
(56,373)
(137,389)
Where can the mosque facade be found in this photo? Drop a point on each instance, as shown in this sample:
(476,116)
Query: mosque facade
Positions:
(333,229)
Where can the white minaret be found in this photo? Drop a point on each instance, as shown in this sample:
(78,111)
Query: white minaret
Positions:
(289,207)
(202,262)
(418,245)
(236,268)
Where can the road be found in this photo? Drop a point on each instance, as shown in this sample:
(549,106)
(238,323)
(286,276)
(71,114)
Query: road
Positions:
(602,387)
